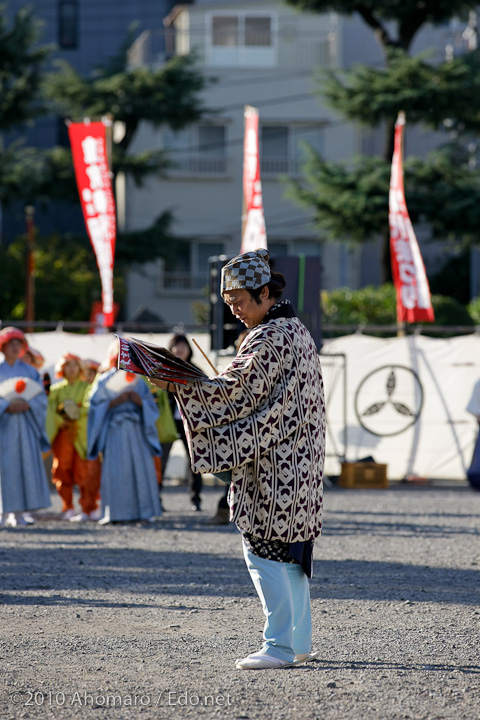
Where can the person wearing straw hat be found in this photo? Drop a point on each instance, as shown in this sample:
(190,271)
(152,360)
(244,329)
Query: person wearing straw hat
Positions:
(23,406)
(262,423)
(67,430)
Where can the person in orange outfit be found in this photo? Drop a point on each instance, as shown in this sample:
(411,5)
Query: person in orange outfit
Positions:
(89,373)
(67,432)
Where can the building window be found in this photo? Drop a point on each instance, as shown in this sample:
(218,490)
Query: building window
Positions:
(190,270)
(198,150)
(258,31)
(201,252)
(241,39)
(225,31)
(235,31)
(282,147)
(68,24)
(279,248)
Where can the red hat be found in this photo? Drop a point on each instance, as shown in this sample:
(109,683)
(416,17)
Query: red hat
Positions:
(12,333)
(59,367)
(38,359)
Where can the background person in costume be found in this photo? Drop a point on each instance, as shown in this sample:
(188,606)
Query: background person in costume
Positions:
(473,407)
(67,431)
(180,346)
(89,370)
(263,421)
(23,406)
(167,434)
(35,359)
(121,426)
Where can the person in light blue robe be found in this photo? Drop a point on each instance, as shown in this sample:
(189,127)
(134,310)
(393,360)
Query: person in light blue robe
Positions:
(23,480)
(121,426)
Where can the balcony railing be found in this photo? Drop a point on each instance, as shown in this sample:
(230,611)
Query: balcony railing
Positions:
(288,49)
(181,281)
(273,166)
(195,165)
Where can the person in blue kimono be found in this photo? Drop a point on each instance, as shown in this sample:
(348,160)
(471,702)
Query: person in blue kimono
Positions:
(23,408)
(121,427)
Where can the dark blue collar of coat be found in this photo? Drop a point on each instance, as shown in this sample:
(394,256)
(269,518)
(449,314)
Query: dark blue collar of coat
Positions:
(281,309)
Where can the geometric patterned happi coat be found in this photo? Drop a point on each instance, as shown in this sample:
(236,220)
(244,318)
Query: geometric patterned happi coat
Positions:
(263,418)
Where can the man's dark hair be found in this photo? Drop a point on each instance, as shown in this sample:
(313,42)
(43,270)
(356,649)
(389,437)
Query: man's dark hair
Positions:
(276,286)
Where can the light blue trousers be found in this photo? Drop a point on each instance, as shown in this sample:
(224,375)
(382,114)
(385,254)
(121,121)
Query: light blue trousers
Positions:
(285,595)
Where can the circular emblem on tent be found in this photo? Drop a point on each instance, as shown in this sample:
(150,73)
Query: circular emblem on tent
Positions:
(389,400)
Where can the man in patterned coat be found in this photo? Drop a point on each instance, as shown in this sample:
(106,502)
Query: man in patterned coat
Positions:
(262,420)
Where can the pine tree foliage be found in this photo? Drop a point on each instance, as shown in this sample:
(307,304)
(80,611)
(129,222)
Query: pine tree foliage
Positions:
(350,203)
(436,95)
(167,96)
(22,61)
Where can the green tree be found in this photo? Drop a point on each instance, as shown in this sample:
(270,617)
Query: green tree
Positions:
(22,62)
(377,306)
(167,96)
(352,203)
(66,279)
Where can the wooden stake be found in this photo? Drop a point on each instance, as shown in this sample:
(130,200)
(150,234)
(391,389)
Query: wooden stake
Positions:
(206,358)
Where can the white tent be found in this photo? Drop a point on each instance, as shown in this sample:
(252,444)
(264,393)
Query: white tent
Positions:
(401,401)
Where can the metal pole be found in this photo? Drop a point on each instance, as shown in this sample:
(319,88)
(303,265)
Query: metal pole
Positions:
(30,269)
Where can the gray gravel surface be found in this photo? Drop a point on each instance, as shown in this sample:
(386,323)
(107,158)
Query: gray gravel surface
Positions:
(134,620)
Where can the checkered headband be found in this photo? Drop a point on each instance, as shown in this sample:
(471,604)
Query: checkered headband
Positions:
(246,272)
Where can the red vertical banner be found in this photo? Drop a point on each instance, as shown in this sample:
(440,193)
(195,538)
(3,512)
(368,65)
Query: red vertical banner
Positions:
(90,161)
(254,235)
(413,291)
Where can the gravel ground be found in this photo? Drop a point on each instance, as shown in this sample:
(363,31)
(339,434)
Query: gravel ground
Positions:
(133,620)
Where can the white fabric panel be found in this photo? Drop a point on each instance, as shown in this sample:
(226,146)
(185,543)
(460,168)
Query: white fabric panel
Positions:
(440,443)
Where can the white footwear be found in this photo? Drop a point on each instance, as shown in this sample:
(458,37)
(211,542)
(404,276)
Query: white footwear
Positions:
(260,661)
(81,517)
(95,514)
(68,514)
(105,520)
(306,657)
(14,520)
(28,518)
